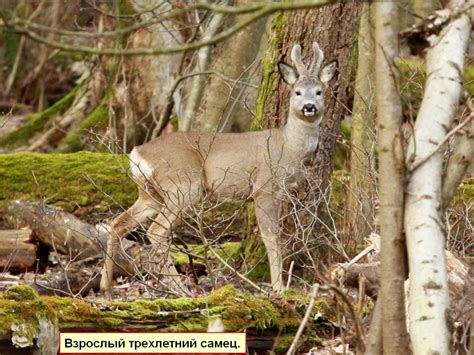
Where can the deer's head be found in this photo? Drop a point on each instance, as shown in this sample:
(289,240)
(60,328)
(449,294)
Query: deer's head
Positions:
(308,83)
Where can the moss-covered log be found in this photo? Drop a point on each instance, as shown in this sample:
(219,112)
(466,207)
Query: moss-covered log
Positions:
(82,182)
(264,318)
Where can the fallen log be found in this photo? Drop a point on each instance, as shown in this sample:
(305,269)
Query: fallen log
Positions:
(63,233)
(60,230)
(16,253)
(460,282)
(84,245)
(370,271)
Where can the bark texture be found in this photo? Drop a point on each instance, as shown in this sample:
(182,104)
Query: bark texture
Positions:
(362,183)
(429,296)
(391,180)
(198,82)
(151,78)
(333,27)
(223,100)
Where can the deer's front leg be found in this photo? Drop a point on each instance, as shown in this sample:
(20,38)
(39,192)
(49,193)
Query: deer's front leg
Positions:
(160,236)
(142,209)
(267,209)
(108,271)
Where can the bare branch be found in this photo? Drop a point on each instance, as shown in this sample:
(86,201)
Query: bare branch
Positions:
(259,10)
(294,343)
(440,144)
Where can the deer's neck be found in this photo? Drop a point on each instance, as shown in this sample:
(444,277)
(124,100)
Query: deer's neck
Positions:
(301,136)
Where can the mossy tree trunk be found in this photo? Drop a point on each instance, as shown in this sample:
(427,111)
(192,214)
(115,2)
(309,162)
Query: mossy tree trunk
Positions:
(270,323)
(333,27)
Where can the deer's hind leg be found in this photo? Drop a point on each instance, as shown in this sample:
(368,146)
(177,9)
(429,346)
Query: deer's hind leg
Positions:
(145,207)
(177,201)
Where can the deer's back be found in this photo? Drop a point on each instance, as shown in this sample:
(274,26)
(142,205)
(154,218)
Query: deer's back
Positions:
(229,164)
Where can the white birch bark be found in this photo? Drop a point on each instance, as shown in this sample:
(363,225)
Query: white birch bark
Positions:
(429,297)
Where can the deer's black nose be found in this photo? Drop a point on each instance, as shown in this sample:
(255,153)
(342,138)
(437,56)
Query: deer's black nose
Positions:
(309,108)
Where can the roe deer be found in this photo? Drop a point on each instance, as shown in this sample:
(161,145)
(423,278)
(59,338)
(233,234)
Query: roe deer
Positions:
(175,169)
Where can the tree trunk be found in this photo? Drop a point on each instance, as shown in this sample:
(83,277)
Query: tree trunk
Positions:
(333,26)
(198,82)
(429,296)
(391,180)
(224,97)
(150,79)
(363,180)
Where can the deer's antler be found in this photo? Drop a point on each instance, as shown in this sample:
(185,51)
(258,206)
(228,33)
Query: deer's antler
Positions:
(318,57)
(296,58)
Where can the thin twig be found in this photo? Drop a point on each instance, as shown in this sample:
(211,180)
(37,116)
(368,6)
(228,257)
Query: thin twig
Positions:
(358,327)
(290,274)
(314,294)
(242,277)
(440,144)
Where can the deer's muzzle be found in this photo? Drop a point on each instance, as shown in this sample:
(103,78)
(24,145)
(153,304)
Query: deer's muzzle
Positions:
(309,110)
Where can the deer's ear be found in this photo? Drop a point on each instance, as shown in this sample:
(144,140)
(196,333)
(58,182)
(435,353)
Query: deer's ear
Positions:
(288,73)
(327,73)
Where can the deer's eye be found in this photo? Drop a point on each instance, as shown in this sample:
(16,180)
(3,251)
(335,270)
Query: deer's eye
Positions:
(298,93)
(319,92)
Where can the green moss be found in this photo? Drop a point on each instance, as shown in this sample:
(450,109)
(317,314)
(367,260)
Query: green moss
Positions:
(96,119)
(283,343)
(21,293)
(469,79)
(23,313)
(79,182)
(36,122)
(241,310)
(466,190)
(237,310)
(268,68)
(256,262)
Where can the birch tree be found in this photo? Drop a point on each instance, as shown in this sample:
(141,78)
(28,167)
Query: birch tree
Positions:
(391,180)
(424,227)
